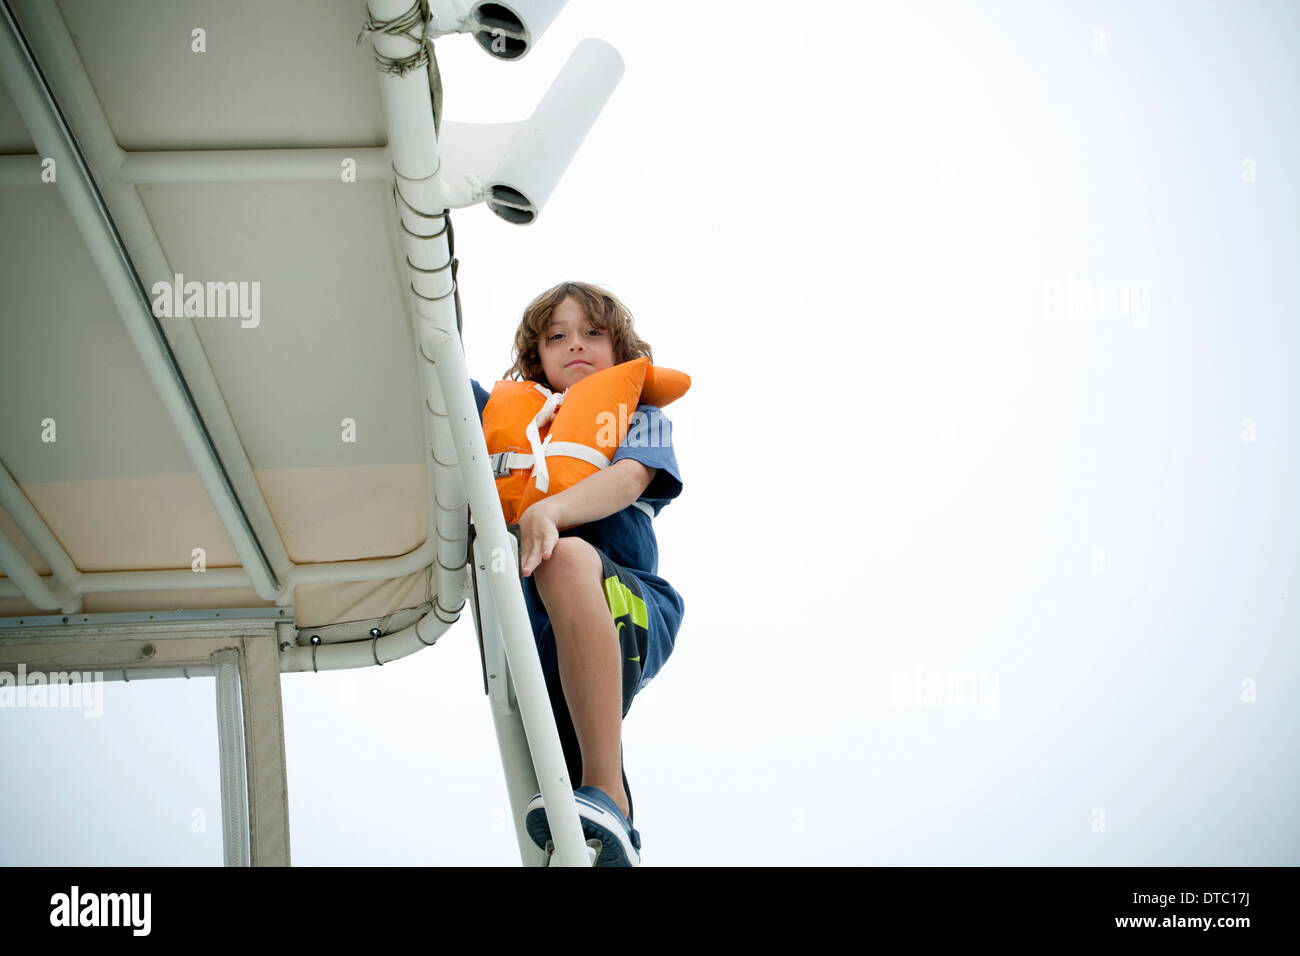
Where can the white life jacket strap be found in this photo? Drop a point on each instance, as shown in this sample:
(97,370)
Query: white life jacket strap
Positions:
(504,462)
(507,461)
(533,431)
(573,449)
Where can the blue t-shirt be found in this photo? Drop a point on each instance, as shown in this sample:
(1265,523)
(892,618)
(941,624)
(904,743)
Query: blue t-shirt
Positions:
(627,537)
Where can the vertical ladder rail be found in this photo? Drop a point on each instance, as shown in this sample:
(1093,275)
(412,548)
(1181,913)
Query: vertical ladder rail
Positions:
(521,778)
(413,145)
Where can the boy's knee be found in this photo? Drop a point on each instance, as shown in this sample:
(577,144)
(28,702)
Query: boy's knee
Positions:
(570,560)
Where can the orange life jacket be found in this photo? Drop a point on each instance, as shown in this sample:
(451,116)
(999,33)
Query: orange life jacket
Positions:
(542,442)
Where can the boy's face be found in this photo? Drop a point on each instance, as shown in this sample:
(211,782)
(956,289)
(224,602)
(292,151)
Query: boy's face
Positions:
(571,348)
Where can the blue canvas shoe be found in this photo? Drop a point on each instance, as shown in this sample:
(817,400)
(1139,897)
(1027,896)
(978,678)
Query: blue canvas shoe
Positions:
(535,821)
(602,822)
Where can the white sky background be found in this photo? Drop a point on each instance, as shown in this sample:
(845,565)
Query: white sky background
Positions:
(904,459)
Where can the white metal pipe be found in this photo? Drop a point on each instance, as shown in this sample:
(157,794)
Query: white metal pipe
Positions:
(413,144)
(496,670)
(450,506)
(521,781)
(235,836)
(16,505)
(28,582)
(452,516)
(126,674)
(253,165)
(478,147)
(369,569)
(521,777)
(374,651)
(223,166)
(36,104)
(452,528)
(528,172)
(449,16)
(116,582)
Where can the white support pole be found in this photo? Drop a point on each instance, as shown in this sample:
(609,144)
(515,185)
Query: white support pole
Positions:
(234,767)
(268,783)
(414,148)
(521,778)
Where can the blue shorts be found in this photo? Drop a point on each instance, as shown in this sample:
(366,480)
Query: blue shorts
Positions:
(634,622)
(640,627)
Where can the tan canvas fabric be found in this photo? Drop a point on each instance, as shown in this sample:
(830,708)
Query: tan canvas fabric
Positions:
(155,523)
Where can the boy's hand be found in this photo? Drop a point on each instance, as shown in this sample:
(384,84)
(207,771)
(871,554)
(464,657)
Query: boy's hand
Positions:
(537,536)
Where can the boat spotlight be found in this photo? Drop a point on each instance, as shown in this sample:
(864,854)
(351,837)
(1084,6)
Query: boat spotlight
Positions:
(547,141)
(509,30)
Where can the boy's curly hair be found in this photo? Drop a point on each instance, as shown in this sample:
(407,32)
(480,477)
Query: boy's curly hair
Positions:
(604,311)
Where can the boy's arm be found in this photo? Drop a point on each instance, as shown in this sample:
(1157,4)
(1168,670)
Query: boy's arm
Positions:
(596,496)
(600,495)
(480,398)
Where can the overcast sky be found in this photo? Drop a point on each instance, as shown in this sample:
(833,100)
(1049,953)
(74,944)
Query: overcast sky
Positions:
(988,532)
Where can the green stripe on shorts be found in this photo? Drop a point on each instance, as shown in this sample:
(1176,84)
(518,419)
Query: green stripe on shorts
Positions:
(623,602)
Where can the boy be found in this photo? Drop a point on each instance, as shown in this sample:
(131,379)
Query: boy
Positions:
(603,619)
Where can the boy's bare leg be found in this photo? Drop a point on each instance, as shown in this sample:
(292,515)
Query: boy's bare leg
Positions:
(588,650)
